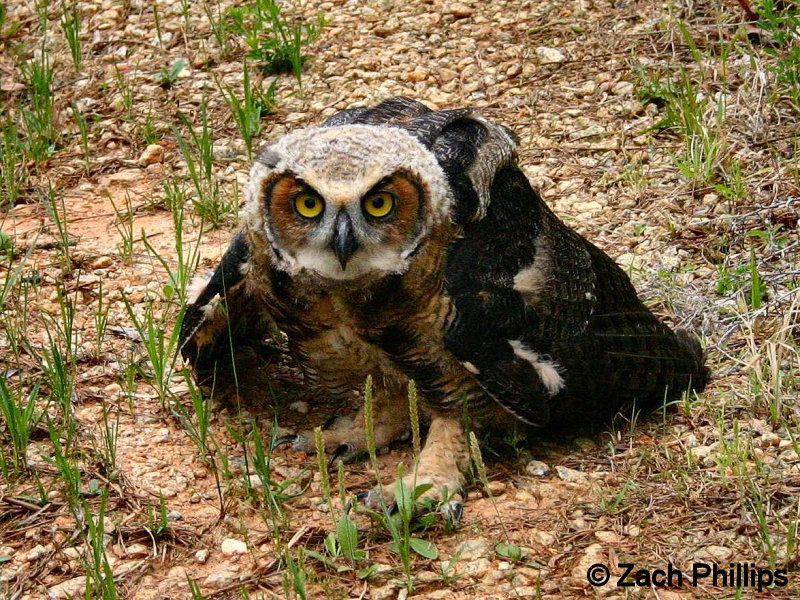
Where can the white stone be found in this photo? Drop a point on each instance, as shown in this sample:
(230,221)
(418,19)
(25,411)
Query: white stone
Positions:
(151,155)
(622,88)
(544,538)
(201,556)
(720,554)
(37,551)
(571,475)
(549,55)
(232,547)
(475,548)
(72,588)
(608,537)
(225,575)
(137,551)
(476,568)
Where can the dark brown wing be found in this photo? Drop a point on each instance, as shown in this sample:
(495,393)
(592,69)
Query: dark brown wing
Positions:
(225,315)
(575,317)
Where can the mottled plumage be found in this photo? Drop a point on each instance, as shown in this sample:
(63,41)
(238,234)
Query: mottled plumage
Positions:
(407,244)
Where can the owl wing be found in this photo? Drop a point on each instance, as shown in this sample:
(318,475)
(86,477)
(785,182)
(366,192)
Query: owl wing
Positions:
(509,305)
(224,314)
(547,322)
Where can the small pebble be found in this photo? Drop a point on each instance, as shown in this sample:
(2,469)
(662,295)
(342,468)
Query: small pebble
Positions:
(497,487)
(549,55)
(232,547)
(102,262)
(461,11)
(152,154)
(537,468)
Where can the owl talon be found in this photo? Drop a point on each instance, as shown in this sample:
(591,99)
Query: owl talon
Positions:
(286,439)
(350,504)
(452,511)
(343,452)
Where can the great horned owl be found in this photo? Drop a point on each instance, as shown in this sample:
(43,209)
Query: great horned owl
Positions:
(407,244)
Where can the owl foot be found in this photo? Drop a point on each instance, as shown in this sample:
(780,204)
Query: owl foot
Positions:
(439,476)
(450,504)
(345,440)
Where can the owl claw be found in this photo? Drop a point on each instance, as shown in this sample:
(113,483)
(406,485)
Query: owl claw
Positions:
(462,491)
(452,511)
(343,452)
(286,439)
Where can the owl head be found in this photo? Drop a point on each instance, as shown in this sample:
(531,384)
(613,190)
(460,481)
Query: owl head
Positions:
(361,195)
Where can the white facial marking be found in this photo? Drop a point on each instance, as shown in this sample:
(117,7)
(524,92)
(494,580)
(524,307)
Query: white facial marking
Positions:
(546,369)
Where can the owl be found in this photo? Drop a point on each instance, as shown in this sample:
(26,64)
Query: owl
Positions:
(406,244)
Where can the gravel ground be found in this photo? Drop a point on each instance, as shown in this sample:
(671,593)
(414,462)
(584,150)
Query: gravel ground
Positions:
(714,479)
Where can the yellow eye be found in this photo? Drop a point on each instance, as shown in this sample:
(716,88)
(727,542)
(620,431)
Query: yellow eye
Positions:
(379,205)
(308,205)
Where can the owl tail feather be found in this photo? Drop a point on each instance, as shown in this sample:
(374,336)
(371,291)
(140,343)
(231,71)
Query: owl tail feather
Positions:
(702,374)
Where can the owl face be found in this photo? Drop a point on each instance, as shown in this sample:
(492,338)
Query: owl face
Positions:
(347,202)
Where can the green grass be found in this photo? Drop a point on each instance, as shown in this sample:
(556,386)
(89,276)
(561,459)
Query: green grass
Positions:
(83,129)
(71,27)
(42,134)
(211,203)
(20,417)
(100,581)
(219,28)
(695,118)
(12,163)
(100,320)
(125,91)
(275,41)
(124,223)
(782,22)
(57,211)
(249,112)
(168,76)
(158,330)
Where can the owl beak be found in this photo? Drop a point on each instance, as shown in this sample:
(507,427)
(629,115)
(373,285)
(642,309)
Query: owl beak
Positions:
(344,242)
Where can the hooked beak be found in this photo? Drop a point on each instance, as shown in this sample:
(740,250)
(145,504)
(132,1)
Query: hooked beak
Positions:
(344,242)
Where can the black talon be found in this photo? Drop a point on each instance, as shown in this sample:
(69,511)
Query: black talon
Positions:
(285,439)
(457,511)
(342,450)
(359,497)
(452,512)
(329,421)
(462,491)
